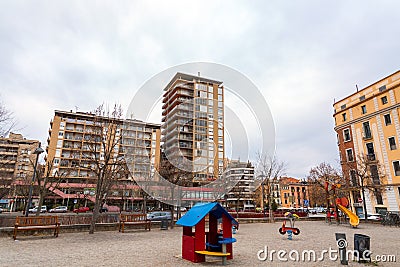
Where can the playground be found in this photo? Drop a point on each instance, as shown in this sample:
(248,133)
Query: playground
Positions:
(164,247)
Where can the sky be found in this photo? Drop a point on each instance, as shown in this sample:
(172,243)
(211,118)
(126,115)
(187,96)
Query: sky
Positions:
(301,55)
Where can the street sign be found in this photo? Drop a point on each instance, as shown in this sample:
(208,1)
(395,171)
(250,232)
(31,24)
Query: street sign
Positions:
(306,202)
(360,200)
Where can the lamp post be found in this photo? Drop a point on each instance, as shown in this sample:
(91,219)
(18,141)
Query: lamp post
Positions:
(37,151)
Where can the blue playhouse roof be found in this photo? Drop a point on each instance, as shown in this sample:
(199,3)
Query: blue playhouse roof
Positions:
(200,210)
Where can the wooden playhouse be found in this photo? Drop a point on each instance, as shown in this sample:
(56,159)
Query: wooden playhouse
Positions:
(199,243)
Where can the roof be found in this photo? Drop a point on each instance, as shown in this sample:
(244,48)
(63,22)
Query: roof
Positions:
(200,210)
(188,77)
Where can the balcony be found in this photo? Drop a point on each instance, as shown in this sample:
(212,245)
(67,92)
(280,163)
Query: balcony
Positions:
(367,136)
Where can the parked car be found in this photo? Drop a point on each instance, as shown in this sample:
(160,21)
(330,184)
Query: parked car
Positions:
(34,210)
(1,210)
(62,209)
(372,217)
(109,208)
(312,211)
(159,215)
(81,210)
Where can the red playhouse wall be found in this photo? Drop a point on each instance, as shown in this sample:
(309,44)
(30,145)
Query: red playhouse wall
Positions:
(227,233)
(200,240)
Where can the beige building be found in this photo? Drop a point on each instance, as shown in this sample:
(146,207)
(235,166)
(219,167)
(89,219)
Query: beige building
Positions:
(293,193)
(72,136)
(367,123)
(193,125)
(16,170)
(242,195)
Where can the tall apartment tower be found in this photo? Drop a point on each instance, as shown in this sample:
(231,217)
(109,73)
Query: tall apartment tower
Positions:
(193,125)
(367,123)
(72,136)
(16,169)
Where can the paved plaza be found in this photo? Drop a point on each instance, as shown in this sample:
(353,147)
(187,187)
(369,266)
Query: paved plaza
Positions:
(163,248)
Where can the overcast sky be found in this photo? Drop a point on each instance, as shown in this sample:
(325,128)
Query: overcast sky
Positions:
(74,55)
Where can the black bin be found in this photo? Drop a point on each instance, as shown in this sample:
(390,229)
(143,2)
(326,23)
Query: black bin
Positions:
(362,245)
(164,224)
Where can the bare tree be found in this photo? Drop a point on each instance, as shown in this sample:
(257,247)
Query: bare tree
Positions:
(48,180)
(5,179)
(269,168)
(317,194)
(370,176)
(176,173)
(330,180)
(103,161)
(7,120)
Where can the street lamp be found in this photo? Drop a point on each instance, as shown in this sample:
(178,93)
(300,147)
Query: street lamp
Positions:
(37,151)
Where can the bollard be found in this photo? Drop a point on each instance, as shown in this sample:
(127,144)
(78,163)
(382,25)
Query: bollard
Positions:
(164,224)
(362,247)
(342,244)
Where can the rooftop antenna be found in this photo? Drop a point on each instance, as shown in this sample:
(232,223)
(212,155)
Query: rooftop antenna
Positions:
(76,109)
(357,87)
(198,73)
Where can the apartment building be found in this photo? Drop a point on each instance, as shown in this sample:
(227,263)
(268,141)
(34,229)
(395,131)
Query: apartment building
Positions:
(294,193)
(241,197)
(367,123)
(193,125)
(16,169)
(75,138)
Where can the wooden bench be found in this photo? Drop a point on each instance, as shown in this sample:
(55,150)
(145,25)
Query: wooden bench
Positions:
(36,223)
(133,219)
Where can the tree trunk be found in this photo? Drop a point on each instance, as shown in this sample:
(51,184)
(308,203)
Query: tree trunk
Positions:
(172,209)
(95,215)
(270,214)
(39,210)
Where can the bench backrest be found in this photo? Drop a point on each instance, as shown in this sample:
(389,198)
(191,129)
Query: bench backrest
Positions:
(133,217)
(36,220)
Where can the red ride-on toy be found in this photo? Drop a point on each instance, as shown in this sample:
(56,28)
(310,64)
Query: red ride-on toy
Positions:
(292,218)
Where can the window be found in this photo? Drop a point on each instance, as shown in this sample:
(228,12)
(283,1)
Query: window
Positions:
(344,116)
(362,97)
(349,154)
(370,151)
(388,119)
(353,178)
(374,174)
(379,199)
(384,100)
(363,109)
(396,167)
(367,130)
(392,143)
(346,135)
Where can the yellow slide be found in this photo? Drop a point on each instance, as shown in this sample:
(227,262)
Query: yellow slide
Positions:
(354,220)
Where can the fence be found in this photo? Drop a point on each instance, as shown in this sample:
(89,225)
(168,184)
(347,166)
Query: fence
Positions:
(68,219)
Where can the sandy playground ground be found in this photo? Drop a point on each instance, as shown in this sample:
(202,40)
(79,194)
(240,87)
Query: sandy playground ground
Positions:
(163,247)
